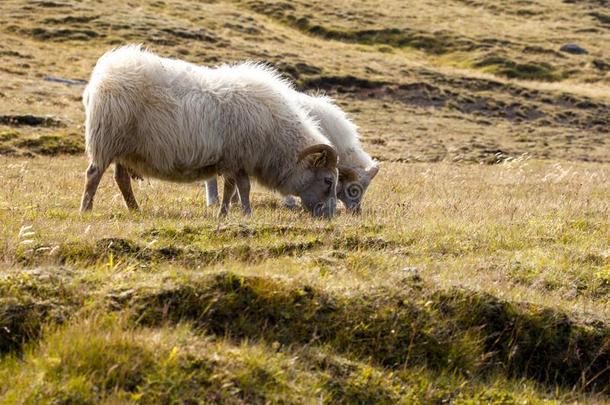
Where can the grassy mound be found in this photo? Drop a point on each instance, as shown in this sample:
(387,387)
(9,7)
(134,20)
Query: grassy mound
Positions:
(14,143)
(104,358)
(457,330)
(411,325)
(513,70)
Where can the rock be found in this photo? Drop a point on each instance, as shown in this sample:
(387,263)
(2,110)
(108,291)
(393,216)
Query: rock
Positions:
(573,49)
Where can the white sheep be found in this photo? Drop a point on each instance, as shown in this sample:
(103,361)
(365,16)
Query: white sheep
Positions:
(172,120)
(356,167)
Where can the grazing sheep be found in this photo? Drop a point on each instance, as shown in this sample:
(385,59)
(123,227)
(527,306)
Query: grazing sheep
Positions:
(172,120)
(356,167)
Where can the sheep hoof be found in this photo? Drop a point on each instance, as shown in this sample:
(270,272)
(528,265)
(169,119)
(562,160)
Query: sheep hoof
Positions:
(290,202)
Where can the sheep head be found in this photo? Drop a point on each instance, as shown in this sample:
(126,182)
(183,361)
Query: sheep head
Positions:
(318,192)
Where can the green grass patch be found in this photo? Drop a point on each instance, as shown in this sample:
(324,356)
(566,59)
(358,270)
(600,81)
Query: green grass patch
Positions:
(8,135)
(104,358)
(30,299)
(503,66)
(51,145)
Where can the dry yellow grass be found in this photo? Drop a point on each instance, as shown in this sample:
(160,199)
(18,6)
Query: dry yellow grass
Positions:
(479,271)
(529,232)
(449,110)
(525,230)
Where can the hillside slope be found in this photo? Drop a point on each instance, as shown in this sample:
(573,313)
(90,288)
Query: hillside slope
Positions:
(479,271)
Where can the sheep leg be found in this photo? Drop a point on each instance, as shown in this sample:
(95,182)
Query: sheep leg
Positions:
(243,188)
(123,180)
(93,176)
(229,189)
(235,199)
(211,191)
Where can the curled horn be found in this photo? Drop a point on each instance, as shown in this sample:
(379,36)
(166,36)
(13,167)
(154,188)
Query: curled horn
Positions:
(329,153)
(373,170)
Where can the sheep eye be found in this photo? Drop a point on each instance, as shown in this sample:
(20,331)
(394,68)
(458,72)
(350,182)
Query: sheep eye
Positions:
(328,181)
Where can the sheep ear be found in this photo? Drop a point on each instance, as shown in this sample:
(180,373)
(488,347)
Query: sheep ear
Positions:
(346,174)
(320,156)
(372,171)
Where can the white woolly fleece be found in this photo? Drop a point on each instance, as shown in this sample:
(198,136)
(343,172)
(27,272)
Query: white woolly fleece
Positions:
(177,121)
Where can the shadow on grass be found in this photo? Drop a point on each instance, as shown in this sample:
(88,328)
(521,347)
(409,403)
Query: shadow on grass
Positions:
(455,329)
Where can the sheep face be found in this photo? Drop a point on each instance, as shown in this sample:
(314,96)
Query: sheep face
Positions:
(353,184)
(319,180)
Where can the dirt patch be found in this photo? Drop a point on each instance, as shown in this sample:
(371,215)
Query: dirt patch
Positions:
(71,19)
(296,70)
(30,120)
(340,83)
(437,42)
(198,35)
(601,65)
(479,97)
(423,94)
(51,4)
(15,54)
(59,34)
(539,50)
(31,298)
(601,17)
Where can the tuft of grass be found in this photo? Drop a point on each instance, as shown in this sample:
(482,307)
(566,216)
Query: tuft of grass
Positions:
(8,135)
(604,18)
(58,34)
(30,299)
(525,71)
(51,145)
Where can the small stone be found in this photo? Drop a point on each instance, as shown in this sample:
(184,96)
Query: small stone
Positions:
(412,273)
(573,49)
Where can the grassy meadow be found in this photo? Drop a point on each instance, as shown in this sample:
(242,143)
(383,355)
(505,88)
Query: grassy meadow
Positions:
(478,272)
